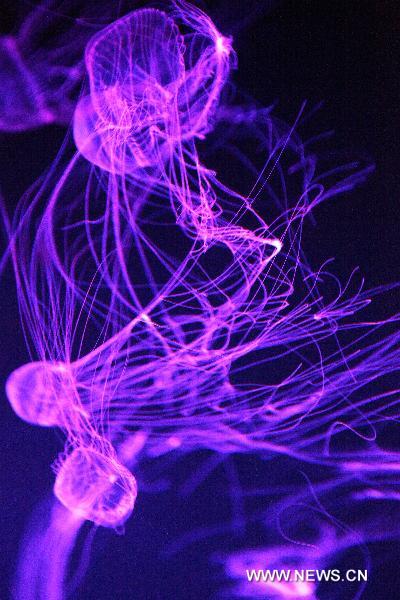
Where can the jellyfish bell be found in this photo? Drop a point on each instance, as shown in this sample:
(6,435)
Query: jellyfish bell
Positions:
(151,88)
(40,393)
(94,486)
(134,66)
(141,53)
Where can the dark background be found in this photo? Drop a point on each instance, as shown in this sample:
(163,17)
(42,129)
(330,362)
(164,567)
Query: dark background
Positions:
(342,52)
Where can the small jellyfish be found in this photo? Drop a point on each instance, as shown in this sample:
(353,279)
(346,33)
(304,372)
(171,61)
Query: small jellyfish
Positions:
(96,487)
(39,393)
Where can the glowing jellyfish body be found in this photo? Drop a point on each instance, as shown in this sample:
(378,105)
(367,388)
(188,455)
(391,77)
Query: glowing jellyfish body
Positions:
(168,325)
(96,487)
(134,66)
(164,333)
(145,101)
(40,393)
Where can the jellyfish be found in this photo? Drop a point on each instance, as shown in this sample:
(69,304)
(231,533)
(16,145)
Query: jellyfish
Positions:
(158,95)
(96,487)
(38,393)
(150,290)
(131,110)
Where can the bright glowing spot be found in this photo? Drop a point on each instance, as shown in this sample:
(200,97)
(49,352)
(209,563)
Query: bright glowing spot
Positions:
(222,45)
